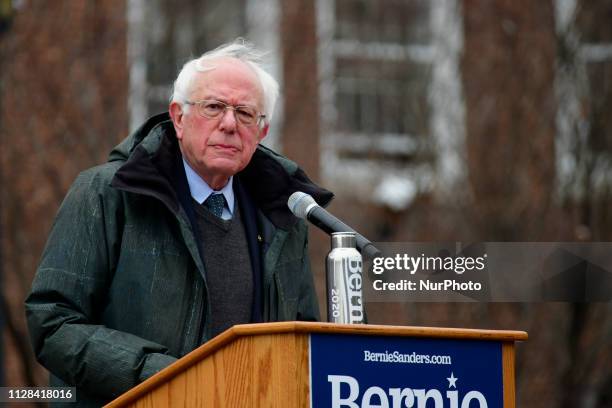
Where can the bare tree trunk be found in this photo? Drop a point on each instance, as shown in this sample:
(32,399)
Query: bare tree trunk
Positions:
(6,318)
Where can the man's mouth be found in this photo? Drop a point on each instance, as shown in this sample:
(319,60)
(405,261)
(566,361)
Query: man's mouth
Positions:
(225,147)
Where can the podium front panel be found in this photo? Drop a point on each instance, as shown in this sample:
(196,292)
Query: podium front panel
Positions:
(356,371)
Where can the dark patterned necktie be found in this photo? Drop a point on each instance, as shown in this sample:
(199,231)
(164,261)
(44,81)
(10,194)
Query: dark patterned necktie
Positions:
(215,204)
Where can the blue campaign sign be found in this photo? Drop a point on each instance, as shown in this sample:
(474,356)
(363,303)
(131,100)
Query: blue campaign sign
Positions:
(348,371)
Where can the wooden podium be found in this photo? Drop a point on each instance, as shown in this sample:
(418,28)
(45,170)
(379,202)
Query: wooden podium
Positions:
(268,365)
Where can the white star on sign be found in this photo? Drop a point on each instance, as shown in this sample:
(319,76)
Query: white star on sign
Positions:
(452,380)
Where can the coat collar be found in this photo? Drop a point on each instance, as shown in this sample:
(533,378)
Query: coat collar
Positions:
(153,166)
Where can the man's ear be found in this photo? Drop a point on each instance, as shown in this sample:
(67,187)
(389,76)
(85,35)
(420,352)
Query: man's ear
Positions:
(264,132)
(177,115)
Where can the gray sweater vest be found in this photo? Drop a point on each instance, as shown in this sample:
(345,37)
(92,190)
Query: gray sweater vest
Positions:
(229,275)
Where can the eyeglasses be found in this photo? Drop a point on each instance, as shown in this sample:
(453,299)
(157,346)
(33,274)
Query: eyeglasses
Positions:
(212,109)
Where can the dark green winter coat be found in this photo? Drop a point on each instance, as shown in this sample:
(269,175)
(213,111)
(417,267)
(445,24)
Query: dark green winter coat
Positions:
(120,292)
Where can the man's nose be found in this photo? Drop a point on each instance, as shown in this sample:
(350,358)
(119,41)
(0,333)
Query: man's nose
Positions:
(228,120)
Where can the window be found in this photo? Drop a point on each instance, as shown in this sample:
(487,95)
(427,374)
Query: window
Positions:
(390,93)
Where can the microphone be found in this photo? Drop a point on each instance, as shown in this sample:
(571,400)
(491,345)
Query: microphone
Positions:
(303,206)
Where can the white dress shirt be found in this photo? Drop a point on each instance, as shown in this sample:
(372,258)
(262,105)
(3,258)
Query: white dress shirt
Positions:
(200,190)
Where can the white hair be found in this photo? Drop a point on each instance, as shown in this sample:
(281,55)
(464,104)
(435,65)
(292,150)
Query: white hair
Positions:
(239,49)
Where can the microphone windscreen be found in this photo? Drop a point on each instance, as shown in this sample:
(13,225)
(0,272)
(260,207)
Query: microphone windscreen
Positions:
(300,204)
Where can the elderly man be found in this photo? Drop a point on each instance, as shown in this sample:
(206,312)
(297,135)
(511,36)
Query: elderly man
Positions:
(182,234)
